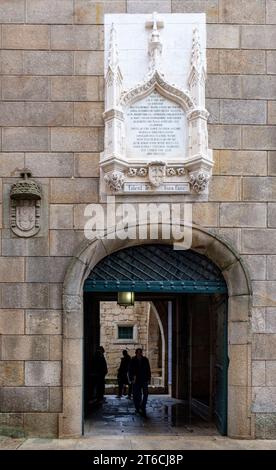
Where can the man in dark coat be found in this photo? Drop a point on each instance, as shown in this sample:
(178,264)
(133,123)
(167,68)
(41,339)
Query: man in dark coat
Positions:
(123,374)
(140,375)
(100,370)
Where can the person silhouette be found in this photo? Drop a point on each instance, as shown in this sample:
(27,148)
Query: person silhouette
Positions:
(140,375)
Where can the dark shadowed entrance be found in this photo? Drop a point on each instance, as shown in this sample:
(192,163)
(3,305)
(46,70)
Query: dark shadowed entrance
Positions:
(189,292)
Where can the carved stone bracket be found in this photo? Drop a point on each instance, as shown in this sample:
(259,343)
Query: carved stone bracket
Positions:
(199,182)
(115,180)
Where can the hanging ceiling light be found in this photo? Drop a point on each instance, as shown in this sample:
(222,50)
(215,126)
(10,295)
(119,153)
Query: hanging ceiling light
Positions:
(125,299)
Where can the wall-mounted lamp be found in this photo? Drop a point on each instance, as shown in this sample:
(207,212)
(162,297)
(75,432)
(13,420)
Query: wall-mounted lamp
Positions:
(126,299)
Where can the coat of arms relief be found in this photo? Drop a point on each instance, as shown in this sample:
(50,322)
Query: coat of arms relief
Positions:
(156,139)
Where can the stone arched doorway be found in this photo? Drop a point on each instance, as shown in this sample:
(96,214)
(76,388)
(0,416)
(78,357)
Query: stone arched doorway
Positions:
(239,352)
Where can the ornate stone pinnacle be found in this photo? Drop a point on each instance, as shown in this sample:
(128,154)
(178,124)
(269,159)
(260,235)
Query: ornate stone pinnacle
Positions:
(113,58)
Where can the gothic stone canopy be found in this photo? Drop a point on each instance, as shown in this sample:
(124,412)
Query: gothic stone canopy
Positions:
(156,139)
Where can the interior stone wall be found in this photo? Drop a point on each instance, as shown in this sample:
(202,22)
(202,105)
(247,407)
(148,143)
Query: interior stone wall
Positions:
(51,118)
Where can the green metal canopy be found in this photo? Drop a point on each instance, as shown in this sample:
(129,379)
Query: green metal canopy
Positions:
(156,268)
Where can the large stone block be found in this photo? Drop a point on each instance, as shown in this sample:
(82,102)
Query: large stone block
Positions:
(265,425)
(271,267)
(238,334)
(223,36)
(242,112)
(25,88)
(46,269)
(25,139)
(259,189)
(25,37)
(258,241)
(224,188)
(238,354)
(25,295)
(271,373)
(49,11)
(72,360)
(270,320)
(258,37)
(239,308)
(43,373)
(11,62)
(65,242)
(20,399)
(11,269)
(264,293)
(25,348)
(10,163)
(55,348)
(72,399)
(210,7)
(258,346)
(55,299)
(241,162)
(55,399)
(74,191)
(88,114)
(86,165)
(74,139)
(12,11)
(258,320)
(242,11)
(224,137)
(271,112)
(241,62)
(212,58)
(258,87)
(43,425)
(11,373)
(51,164)
(270,346)
(258,373)
(271,163)
(259,137)
(43,322)
(89,63)
(140,6)
(38,246)
(48,63)
(270,12)
(73,37)
(35,114)
(11,322)
(238,412)
(243,215)
(61,216)
(92,12)
(264,399)
(256,265)
(74,89)
(205,214)
(212,106)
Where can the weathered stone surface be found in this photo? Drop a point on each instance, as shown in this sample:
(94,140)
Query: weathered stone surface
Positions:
(238,420)
(88,114)
(224,137)
(212,58)
(210,7)
(48,63)
(258,241)
(44,425)
(46,269)
(73,37)
(11,62)
(92,12)
(270,12)
(270,320)
(35,114)
(56,348)
(271,112)
(51,164)
(25,295)
(242,11)
(74,139)
(74,190)
(86,165)
(264,399)
(42,373)
(258,320)
(259,189)
(264,293)
(239,308)
(25,348)
(55,299)
(205,214)
(49,11)
(71,395)
(89,63)
(257,266)
(258,346)
(74,89)
(242,112)
(16,399)
(25,139)
(258,37)
(271,267)
(259,137)
(55,399)
(12,11)
(11,373)
(212,106)
(258,87)
(11,269)
(272,163)
(25,88)
(65,242)
(265,425)
(223,36)
(238,333)
(11,163)
(43,322)
(242,215)
(230,235)
(271,373)
(258,373)
(72,370)
(238,354)
(224,188)
(61,216)
(32,247)
(11,322)
(25,37)
(241,62)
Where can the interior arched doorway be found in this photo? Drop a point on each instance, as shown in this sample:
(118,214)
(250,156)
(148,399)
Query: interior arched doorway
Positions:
(239,351)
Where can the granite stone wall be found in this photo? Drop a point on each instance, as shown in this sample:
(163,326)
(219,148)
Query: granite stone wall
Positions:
(51,117)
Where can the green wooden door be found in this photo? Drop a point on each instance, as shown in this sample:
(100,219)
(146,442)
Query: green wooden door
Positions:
(221,366)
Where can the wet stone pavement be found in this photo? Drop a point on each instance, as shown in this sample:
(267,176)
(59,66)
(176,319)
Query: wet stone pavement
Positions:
(165,415)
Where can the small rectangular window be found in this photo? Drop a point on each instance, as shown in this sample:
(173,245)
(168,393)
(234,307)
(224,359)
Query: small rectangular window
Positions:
(125,332)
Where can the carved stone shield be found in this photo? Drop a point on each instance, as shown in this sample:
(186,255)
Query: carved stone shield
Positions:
(157,172)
